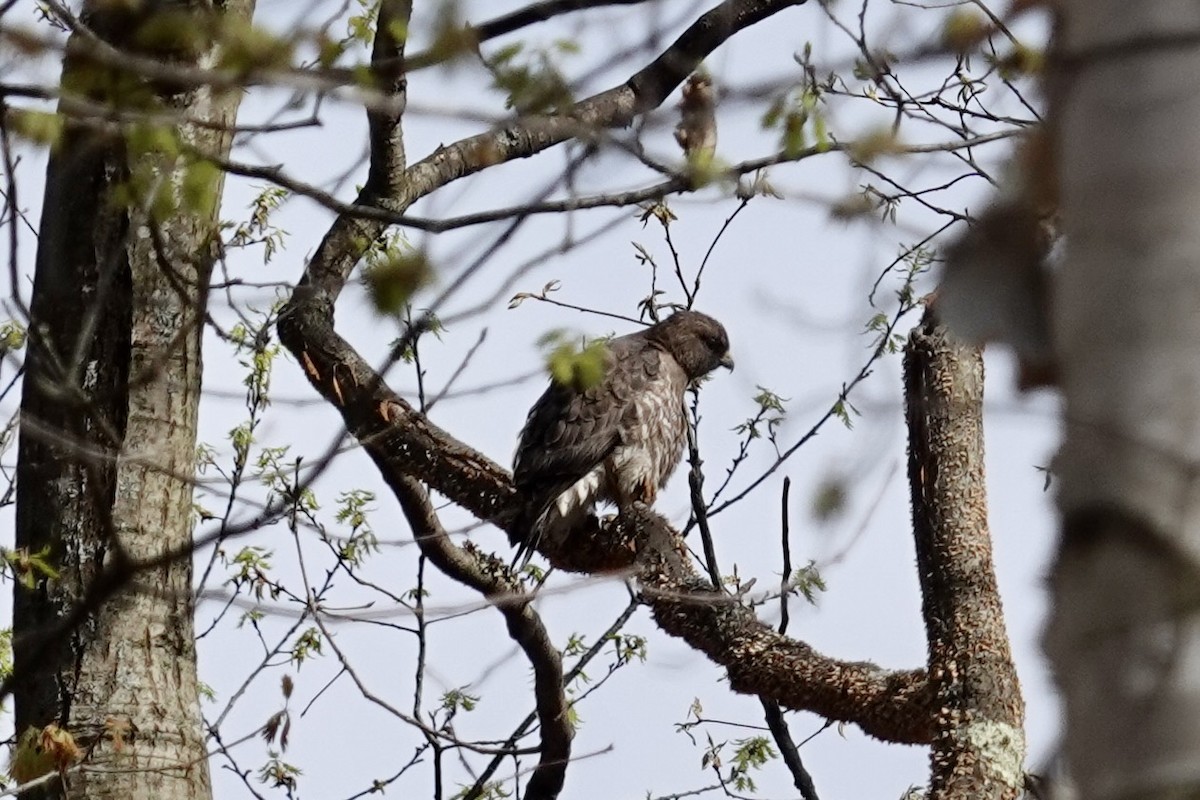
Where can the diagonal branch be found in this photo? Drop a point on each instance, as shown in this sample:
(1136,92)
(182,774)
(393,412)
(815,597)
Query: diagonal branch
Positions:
(979,749)
(540,12)
(788,751)
(489,577)
(508,23)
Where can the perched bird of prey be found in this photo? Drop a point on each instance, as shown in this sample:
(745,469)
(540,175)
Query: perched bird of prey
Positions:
(620,439)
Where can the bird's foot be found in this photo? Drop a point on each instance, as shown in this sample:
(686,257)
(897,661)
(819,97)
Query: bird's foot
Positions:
(632,511)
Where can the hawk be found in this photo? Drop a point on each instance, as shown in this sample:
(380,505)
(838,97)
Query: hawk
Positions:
(619,440)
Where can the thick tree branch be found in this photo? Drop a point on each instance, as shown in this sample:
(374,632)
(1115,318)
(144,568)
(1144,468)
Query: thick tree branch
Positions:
(979,750)
(481,780)
(489,577)
(387,70)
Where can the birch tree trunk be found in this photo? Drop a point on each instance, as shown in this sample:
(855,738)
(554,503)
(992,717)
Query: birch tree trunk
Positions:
(1125,634)
(108,441)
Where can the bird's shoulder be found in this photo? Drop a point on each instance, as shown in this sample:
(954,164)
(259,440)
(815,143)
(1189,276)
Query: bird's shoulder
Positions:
(569,431)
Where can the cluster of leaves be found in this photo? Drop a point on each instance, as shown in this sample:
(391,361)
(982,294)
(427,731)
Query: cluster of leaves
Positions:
(42,128)
(770,415)
(185,33)
(741,756)
(308,645)
(29,569)
(798,114)
(913,262)
(279,774)
(531,80)
(250,567)
(40,751)
(258,228)
(257,355)
(12,336)
(807,580)
(352,511)
(830,497)
(579,364)
(455,700)
(165,175)
(393,271)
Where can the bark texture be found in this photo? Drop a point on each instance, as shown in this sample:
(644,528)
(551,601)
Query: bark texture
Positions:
(979,749)
(1125,634)
(107,448)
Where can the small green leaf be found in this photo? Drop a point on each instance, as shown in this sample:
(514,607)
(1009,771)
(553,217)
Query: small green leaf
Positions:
(456,699)
(39,127)
(829,499)
(808,581)
(391,283)
(793,134)
(199,186)
(12,336)
(246,47)
(578,369)
(963,30)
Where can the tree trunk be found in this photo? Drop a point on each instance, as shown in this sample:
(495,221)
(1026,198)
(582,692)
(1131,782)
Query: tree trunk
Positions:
(1125,633)
(108,442)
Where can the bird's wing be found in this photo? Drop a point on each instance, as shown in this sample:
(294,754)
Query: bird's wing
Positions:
(569,432)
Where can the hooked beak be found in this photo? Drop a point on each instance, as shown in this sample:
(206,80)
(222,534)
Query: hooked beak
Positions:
(727,361)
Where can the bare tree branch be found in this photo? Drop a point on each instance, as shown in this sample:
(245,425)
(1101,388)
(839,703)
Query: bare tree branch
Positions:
(788,750)
(540,12)
(385,134)
(489,577)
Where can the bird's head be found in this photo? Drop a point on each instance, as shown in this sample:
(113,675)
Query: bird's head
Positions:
(697,341)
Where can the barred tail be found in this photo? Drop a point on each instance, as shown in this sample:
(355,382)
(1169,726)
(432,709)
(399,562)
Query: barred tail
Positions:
(540,518)
(526,532)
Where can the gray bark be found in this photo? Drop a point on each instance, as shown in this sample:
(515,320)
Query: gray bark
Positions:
(107,455)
